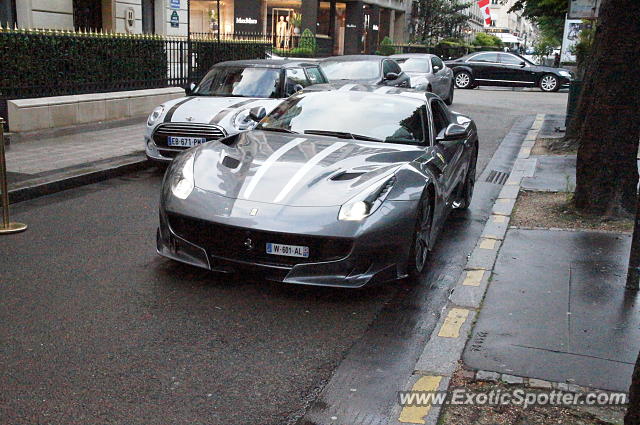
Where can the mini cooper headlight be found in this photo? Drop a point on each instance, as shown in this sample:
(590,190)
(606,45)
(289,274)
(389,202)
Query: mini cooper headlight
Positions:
(155,114)
(242,121)
(367,202)
(182,182)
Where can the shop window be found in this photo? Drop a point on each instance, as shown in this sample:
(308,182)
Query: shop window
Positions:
(87,14)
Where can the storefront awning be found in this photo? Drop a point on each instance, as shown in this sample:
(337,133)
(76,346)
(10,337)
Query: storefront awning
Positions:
(507,38)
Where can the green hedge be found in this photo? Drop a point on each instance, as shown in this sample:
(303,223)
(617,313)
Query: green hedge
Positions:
(45,64)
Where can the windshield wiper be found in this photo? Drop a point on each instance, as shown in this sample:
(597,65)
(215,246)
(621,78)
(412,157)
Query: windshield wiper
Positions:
(342,135)
(281,130)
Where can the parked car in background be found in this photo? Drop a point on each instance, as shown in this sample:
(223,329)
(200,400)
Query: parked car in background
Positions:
(219,105)
(428,72)
(332,188)
(506,69)
(365,69)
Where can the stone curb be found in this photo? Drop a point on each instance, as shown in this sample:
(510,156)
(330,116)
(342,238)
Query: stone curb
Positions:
(89,173)
(443,352)
(489,376)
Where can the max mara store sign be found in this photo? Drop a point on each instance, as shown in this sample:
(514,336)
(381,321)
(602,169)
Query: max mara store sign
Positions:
(247,16)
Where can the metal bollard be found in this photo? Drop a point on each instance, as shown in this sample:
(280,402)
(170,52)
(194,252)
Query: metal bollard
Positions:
(7,226)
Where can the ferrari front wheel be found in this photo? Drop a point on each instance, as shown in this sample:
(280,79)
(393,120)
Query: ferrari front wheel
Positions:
(419,254)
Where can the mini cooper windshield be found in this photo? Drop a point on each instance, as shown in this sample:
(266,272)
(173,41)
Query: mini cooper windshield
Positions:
(389,119)
(239,81)
(351,70)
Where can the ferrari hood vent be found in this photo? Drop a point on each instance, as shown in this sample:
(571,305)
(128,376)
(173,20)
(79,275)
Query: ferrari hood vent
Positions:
(345,175)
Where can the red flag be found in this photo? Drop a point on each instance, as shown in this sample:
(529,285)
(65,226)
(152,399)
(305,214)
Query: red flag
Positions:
(486,11)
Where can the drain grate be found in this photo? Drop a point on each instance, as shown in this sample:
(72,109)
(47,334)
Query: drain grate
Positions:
(497,177)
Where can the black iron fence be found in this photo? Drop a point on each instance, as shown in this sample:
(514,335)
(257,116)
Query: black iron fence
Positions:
(55,63)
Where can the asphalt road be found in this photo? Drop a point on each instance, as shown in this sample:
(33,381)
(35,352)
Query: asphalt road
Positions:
(97,329)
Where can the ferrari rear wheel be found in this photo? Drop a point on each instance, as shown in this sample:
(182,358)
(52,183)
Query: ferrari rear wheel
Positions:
(420,248)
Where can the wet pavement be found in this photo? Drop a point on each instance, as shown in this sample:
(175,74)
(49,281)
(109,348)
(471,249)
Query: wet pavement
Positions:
(554,173)
(565,316)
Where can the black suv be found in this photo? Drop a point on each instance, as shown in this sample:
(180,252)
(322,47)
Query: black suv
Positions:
(506,69)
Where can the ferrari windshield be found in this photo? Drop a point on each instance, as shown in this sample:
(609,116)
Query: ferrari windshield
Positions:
(240,81)
(351,115)
(351,70)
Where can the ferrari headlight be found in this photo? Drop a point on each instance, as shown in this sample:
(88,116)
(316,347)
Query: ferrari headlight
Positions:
(242,121)
(367,202)
(565,74)
(155,114)
(182,182)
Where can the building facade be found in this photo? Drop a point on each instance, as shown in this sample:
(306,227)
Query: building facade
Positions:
(348,26)
(475,22)
(511,27)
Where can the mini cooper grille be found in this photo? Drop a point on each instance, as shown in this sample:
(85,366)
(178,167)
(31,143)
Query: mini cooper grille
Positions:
(232,242)
(163,131)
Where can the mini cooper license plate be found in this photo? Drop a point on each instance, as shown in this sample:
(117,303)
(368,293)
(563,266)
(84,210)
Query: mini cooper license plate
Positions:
(185,142)
(288,250)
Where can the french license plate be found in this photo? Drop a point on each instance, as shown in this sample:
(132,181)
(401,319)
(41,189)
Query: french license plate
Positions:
(185,142)
(288,250)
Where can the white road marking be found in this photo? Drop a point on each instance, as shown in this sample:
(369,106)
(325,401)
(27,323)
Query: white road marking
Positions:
(269,162)
(306,168)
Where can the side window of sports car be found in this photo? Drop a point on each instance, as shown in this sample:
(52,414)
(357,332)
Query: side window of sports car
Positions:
(294,79)
(315,76)
(411,129)
(440,116)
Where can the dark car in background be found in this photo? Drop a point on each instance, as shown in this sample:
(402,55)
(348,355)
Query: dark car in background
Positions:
(365,69)
(506,69)
(428,72)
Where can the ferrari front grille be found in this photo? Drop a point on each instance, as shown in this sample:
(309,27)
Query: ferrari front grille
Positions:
(248,245)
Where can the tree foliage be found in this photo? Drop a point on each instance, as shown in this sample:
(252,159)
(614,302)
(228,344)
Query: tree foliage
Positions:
(484,39)
(438,19)
(549,15)
(386,47)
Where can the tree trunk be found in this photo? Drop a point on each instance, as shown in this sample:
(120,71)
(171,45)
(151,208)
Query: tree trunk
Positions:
(609,114)
(633,411)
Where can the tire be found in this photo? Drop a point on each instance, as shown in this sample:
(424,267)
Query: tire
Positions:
(419,253)
(549,83)
(466,191)
(463,80)
(449,99)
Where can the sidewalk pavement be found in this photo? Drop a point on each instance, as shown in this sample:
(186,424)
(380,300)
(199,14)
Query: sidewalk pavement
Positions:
(550,306)
(47,163)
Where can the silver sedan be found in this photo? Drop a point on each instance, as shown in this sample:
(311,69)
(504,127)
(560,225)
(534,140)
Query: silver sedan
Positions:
(428,72)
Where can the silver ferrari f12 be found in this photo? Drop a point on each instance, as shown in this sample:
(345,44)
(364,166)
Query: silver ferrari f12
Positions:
(335,188)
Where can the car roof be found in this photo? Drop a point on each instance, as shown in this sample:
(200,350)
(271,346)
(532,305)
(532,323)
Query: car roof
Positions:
(268,63)
(351,58)
(411,55)
(420,95)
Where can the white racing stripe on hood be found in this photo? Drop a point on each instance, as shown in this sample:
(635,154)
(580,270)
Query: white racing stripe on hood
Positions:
(306,168)
(347,87)
(269,162)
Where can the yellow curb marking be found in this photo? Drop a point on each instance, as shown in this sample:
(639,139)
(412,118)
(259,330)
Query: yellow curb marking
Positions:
(453,322)
(503,200)
(474,277)
(487,243)
(416,414)
(491,237)
(498,218)
(512,182)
